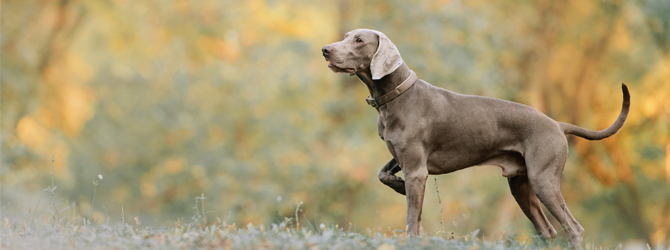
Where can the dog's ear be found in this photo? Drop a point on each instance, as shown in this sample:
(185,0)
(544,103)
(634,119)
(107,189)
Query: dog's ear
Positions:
(386,60)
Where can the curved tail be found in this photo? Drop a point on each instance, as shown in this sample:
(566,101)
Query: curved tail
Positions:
(602,134)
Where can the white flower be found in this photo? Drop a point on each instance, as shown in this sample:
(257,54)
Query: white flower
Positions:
(322,226)
(100,176)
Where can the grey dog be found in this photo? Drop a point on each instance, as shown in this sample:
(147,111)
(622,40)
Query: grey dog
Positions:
(429,130)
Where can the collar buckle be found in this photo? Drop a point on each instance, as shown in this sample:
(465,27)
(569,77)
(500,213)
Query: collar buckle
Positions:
(372,102)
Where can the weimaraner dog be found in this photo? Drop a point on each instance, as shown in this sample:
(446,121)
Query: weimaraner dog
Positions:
(429,130)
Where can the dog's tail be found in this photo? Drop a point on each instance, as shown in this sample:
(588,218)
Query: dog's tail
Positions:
(602,134)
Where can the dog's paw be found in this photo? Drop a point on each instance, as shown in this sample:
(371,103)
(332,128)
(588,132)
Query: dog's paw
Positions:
(398,184)
(394,182)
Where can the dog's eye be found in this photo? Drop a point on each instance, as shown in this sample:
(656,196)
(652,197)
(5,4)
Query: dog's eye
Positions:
(358,40)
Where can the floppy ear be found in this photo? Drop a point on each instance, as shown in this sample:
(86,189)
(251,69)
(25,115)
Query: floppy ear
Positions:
(386,60)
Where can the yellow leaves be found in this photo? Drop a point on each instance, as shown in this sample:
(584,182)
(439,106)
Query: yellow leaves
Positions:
(31,133)
(173,165)
(562,64)
(38,137)
(45,117)
(308,23)
(183,6)
(621,37)
(226,50)
(657,100)
(303,21)
(583,8)
(77,109)
(70,102)
(651,105)
(70,69)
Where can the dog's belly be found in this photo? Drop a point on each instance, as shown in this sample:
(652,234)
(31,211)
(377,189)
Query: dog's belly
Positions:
(510,161)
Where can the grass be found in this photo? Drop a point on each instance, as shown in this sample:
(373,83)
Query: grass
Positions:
(74,232)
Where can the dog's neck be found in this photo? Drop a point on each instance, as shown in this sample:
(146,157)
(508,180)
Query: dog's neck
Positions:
(385,84)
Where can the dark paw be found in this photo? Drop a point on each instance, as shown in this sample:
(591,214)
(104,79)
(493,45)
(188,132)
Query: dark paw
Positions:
(387,176)
(395,182)
(398,186)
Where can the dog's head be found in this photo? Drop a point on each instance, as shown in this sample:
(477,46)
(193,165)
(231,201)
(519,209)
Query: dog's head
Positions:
(363,49)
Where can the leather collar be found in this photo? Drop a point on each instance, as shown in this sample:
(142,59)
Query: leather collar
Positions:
(378,102)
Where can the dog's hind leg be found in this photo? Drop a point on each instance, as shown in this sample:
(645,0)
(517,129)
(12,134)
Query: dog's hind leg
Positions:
(387,176)
(530,205)
(545,165)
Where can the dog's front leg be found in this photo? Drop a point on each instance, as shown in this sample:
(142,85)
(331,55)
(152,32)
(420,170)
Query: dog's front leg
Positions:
(412,159)
(416,174)
(387,173)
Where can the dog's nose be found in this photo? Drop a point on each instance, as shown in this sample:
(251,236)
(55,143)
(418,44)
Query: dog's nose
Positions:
(326,50)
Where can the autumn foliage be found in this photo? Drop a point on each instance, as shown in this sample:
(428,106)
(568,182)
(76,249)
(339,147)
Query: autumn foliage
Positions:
(171,99)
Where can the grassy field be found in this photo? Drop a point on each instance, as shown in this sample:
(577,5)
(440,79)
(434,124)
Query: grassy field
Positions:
(60,231)
(78,234)
(57,230)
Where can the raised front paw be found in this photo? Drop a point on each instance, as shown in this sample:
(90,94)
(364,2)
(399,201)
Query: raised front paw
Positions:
(395,182)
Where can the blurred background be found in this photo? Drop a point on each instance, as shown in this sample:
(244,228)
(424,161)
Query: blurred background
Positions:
(171,99)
